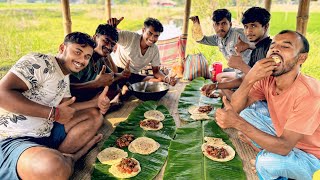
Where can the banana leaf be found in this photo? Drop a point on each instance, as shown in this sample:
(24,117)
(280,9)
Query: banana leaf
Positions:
(192,96)
(150,164)
(186,161)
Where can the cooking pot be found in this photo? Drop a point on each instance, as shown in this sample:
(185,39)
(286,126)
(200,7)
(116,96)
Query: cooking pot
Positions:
(149,90)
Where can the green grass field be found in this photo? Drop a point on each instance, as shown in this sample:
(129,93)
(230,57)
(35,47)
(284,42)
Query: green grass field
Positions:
(28,28)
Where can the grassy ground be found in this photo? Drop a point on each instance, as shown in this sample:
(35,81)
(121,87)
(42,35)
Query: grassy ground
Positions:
(28,28)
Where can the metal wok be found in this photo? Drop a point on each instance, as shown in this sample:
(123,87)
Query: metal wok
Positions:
(150,91)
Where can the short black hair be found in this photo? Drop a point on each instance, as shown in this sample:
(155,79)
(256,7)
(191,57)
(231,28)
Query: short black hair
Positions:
(305,48)
(256,14)
(79,38)
(219,14)
(108,30)
(155,23)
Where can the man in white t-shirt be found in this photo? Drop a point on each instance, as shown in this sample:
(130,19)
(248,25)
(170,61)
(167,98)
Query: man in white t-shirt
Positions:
(42,131)
(141,50)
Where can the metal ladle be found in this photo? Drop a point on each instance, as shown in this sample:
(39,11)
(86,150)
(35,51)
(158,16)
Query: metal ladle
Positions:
(145,86)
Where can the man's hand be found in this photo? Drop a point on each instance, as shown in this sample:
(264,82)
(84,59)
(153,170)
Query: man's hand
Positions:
(235,62)
(208,89)
(104,101)
(171,80)
(227,117)
(261,69)
(114,21)
(241,46)
(103,78)
(126,72)
(195,19)
(66,112)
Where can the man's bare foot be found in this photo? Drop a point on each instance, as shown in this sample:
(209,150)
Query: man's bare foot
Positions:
(85,148)
(247,140)
(253,165)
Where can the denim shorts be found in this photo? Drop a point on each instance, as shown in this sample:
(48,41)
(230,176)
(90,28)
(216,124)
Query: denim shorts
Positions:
(12,148)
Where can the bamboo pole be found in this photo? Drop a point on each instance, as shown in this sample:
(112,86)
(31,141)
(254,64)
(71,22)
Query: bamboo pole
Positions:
(183,46)
(66,16)
(303,16)
(186,17)
(108,9)
(267,5)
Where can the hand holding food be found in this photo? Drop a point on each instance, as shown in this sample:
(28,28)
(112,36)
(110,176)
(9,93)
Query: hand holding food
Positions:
(170,80)
(276,59)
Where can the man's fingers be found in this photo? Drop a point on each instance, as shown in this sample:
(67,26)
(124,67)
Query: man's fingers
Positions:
(174,75)
(69,102)
(127,65)
(105,91)
(226,103)
(194,19)
(103,70)
(121,19)
(238,53)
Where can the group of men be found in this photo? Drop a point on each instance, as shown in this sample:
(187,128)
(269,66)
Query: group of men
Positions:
(275,108)
(57,102)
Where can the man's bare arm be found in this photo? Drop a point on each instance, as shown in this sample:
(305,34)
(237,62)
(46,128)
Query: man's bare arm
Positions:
(12,100)
(260,70)
(103,79)
(228,118)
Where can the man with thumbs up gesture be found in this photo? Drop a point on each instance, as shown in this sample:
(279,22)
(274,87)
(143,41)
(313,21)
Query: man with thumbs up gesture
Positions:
(101,71)
(42,130)
(141,50)
(288,138)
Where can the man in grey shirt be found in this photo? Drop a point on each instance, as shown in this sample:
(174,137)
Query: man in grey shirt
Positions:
(230,40)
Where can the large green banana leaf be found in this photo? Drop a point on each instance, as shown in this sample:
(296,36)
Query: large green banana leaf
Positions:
(150,164)
(186,161)
(192,96)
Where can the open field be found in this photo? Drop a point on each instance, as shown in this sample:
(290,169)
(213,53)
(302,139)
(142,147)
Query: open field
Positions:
(28,28)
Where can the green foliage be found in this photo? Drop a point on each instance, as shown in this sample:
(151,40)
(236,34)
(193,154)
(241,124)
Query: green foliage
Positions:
(34,27)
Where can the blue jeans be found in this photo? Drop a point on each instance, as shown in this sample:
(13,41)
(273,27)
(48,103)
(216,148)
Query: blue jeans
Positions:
(12,148)
(296,165)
